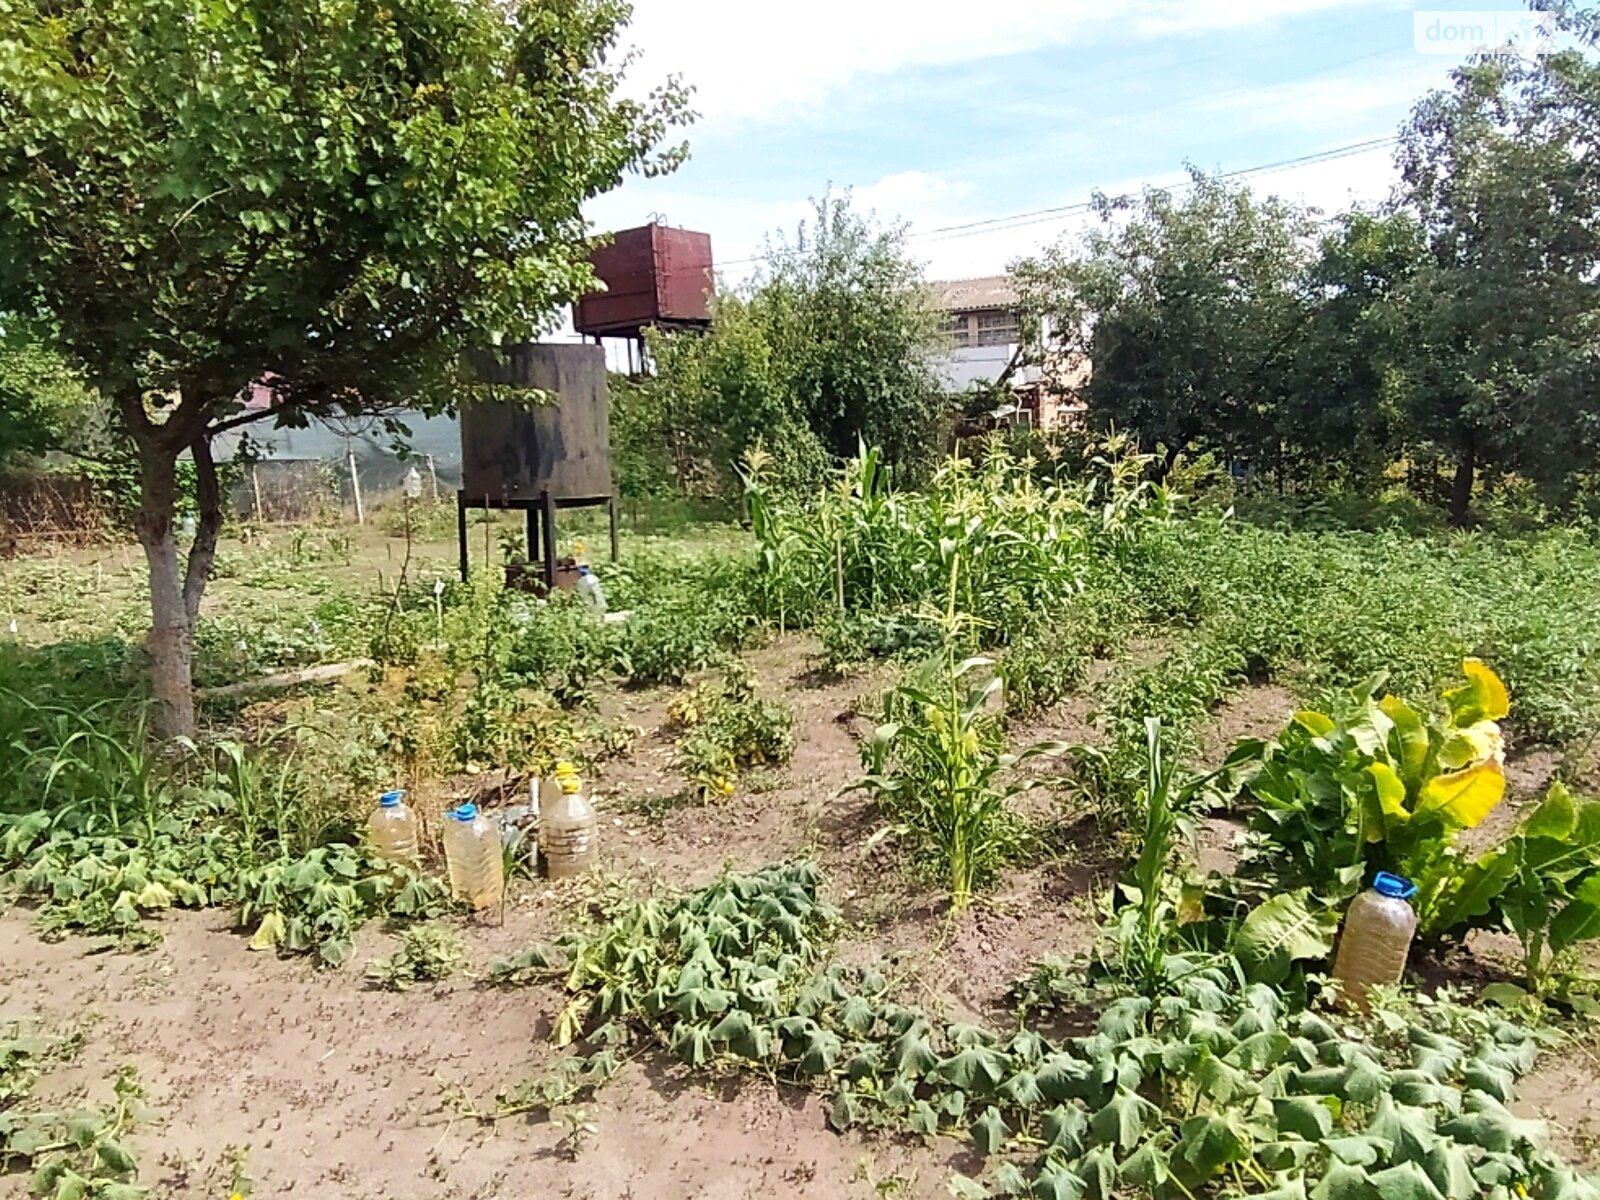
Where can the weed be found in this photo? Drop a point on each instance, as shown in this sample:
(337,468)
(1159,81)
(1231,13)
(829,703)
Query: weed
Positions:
(727,727)
(427,953)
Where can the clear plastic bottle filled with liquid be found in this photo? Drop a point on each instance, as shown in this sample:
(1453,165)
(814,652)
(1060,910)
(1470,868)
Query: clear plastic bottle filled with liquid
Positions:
(472,848)
(393,830)
(567,828)
(1376,938)
(590,590)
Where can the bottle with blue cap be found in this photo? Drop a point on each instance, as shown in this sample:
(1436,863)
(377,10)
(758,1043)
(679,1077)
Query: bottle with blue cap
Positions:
(392,830)
(590,590)
(1376,938)
(473,854)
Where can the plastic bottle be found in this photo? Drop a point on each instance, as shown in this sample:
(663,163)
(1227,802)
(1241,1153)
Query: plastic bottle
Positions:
(472,848)
(567,828)
(393,830)
(593,594)
(1376,938)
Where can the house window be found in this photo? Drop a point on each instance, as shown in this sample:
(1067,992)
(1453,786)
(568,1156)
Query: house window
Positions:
(959,328)
(998,328)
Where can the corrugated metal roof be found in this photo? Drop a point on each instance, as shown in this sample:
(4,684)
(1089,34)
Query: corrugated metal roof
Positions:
(970,295)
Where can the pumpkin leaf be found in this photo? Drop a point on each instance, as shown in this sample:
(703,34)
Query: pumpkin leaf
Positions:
(1121,1121)
(989,1131)
(1308,1117)
(1212,1140)
(1280,931)
(1407,1181)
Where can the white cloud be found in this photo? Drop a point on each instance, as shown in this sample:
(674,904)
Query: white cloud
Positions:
(762,59)
(897,197)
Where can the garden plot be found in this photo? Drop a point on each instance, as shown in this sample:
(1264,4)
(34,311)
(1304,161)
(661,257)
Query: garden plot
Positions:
(845,937)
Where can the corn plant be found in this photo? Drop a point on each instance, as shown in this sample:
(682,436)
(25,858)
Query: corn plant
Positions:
(93,770)
(937,762)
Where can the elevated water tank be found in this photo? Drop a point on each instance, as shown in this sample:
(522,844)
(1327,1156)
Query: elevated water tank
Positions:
(653,276)
(513,452)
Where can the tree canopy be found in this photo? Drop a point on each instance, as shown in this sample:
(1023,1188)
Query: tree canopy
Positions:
(831,343)
(1454,324)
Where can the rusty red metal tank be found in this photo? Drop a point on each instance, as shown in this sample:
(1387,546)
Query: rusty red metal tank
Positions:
(654,275)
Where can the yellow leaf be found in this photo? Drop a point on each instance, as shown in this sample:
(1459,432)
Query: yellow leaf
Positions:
(1318,723)
(154,895)
(269,933)
(1471,745)
(1465,798)
(1191,904)
(570,1024)
(1391,794)
(1482,697)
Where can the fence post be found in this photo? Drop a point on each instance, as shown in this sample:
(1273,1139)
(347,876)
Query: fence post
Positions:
(355,483)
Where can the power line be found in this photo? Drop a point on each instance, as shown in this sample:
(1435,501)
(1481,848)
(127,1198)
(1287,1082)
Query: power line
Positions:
(1187,101)
(1020,220)
(1039,215)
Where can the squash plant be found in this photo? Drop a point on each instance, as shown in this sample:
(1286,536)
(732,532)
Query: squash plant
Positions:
(1204,1088)
(1376,784)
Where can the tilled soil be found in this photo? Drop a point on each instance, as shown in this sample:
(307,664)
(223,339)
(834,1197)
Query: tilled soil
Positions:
(326,1088)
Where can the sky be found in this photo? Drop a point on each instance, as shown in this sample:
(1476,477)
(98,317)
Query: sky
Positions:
(969,121)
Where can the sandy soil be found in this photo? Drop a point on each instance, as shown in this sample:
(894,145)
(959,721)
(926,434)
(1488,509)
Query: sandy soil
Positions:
(330,1089)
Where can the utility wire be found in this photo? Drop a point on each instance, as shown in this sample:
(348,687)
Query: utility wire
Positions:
(1040,215)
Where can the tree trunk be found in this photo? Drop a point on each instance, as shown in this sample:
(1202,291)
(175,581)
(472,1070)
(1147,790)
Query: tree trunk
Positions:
(175,595)
(1461,486)
(171,628)
(203,554)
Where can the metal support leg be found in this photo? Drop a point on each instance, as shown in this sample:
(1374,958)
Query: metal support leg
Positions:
(461,532)
(533,537)
(547,504)
(612,506)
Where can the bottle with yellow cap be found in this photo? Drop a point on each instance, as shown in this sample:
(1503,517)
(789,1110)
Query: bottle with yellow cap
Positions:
(567,827)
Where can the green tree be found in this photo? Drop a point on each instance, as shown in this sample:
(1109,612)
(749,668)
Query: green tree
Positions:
(1502,173)
(339,196)
(1343,418)
(1189,310)
(854,338)
(715,395)
(832,344)
(42,400)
